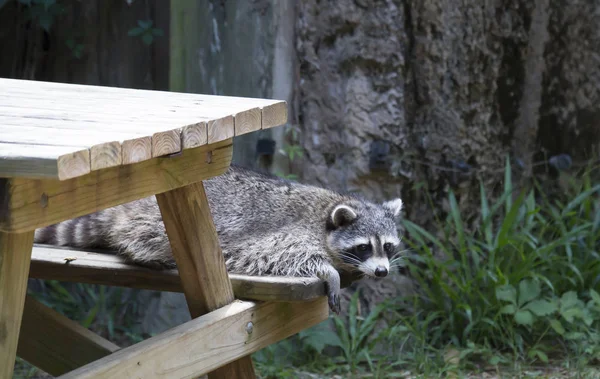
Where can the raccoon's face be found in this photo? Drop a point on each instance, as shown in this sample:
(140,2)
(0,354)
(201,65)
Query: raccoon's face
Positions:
(363,236)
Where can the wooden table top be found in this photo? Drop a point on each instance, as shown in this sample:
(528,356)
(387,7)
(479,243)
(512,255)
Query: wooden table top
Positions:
(63,131)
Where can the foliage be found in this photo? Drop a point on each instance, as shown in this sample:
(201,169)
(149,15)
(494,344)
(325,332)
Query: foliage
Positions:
(524,281)
(291,150)
(43,11)
(145,31)
(109,311)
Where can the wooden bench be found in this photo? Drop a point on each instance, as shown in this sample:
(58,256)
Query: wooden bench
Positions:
(69,150)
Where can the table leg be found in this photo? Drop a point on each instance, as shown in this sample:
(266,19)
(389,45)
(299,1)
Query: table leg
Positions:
(15,255)
(196,249)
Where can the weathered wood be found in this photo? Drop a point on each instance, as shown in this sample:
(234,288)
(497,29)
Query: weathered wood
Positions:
(166,143)
(207,342)
(274,115)
(194,135)
(15,253)
(137,150)
(248,121)
(30,204)
(25,160)
(70,265)
(195,245)
(220,129)
(106,155)
(54,343)
(106,122)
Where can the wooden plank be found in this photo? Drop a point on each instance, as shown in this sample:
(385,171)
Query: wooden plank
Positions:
(204,279)
(166,143)
(137,150)
(274,115)
(33,90)
(247,121)
(82,266)
(194,135)
(55,344)
(221,129)
(15,253)
(207,342)
(106,155)
(33,203)
(63,162)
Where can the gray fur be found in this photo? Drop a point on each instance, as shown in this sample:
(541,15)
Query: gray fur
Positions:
(266,226)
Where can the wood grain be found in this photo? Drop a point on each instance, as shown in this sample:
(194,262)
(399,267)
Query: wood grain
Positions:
(207,342)
(221,129)
(136,150)
(57,345)
(194,135)
(274,115)
(104,124)
(34,203)
(204,278)
(106,155)
(40,161)
(15,254)
(247,121)
(165,143)
(106,268)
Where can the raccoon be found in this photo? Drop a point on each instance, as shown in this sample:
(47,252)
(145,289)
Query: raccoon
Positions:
(266,226)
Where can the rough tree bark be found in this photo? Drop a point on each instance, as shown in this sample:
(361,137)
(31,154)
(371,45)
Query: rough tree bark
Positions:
(434,93)
(446,89)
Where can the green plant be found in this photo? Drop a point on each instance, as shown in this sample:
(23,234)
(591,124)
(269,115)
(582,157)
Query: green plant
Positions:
(145,31)
(292,150)
(43,11)
(522,280)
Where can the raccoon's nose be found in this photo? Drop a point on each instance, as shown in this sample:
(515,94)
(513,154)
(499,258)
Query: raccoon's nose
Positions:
(381,271)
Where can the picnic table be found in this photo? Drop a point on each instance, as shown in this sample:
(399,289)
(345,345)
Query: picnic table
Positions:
(69,150)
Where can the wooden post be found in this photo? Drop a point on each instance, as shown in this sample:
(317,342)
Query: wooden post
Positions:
(195,244)
(15,254)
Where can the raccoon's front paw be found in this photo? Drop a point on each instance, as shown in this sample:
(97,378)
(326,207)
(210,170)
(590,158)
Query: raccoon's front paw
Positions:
(332,288)
(334,302)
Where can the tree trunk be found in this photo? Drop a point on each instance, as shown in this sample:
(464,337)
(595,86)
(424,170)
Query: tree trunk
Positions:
(434,93)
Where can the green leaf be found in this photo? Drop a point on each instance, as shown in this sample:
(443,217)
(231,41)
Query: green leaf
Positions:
(147,38)
(485,212)
(508,309)
(507,293)
(508,185)
(595,296)
(529,289)
(540,354)
(145,24)
(524,317)
(574,336)
(542,307)
(135,32)
(568,299)
(319,341)
(158,32)
(46,20)
(458,225)
(557,326)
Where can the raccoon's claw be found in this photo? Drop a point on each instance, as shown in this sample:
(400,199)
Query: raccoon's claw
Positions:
(334,302)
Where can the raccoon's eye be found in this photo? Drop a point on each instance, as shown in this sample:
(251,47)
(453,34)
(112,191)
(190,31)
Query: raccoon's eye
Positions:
(388,246)
(363,247)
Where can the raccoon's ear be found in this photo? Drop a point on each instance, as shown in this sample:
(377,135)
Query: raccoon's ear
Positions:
(342,215)
(394,206)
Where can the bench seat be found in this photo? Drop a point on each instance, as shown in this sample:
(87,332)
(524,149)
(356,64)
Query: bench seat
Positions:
(97,267)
